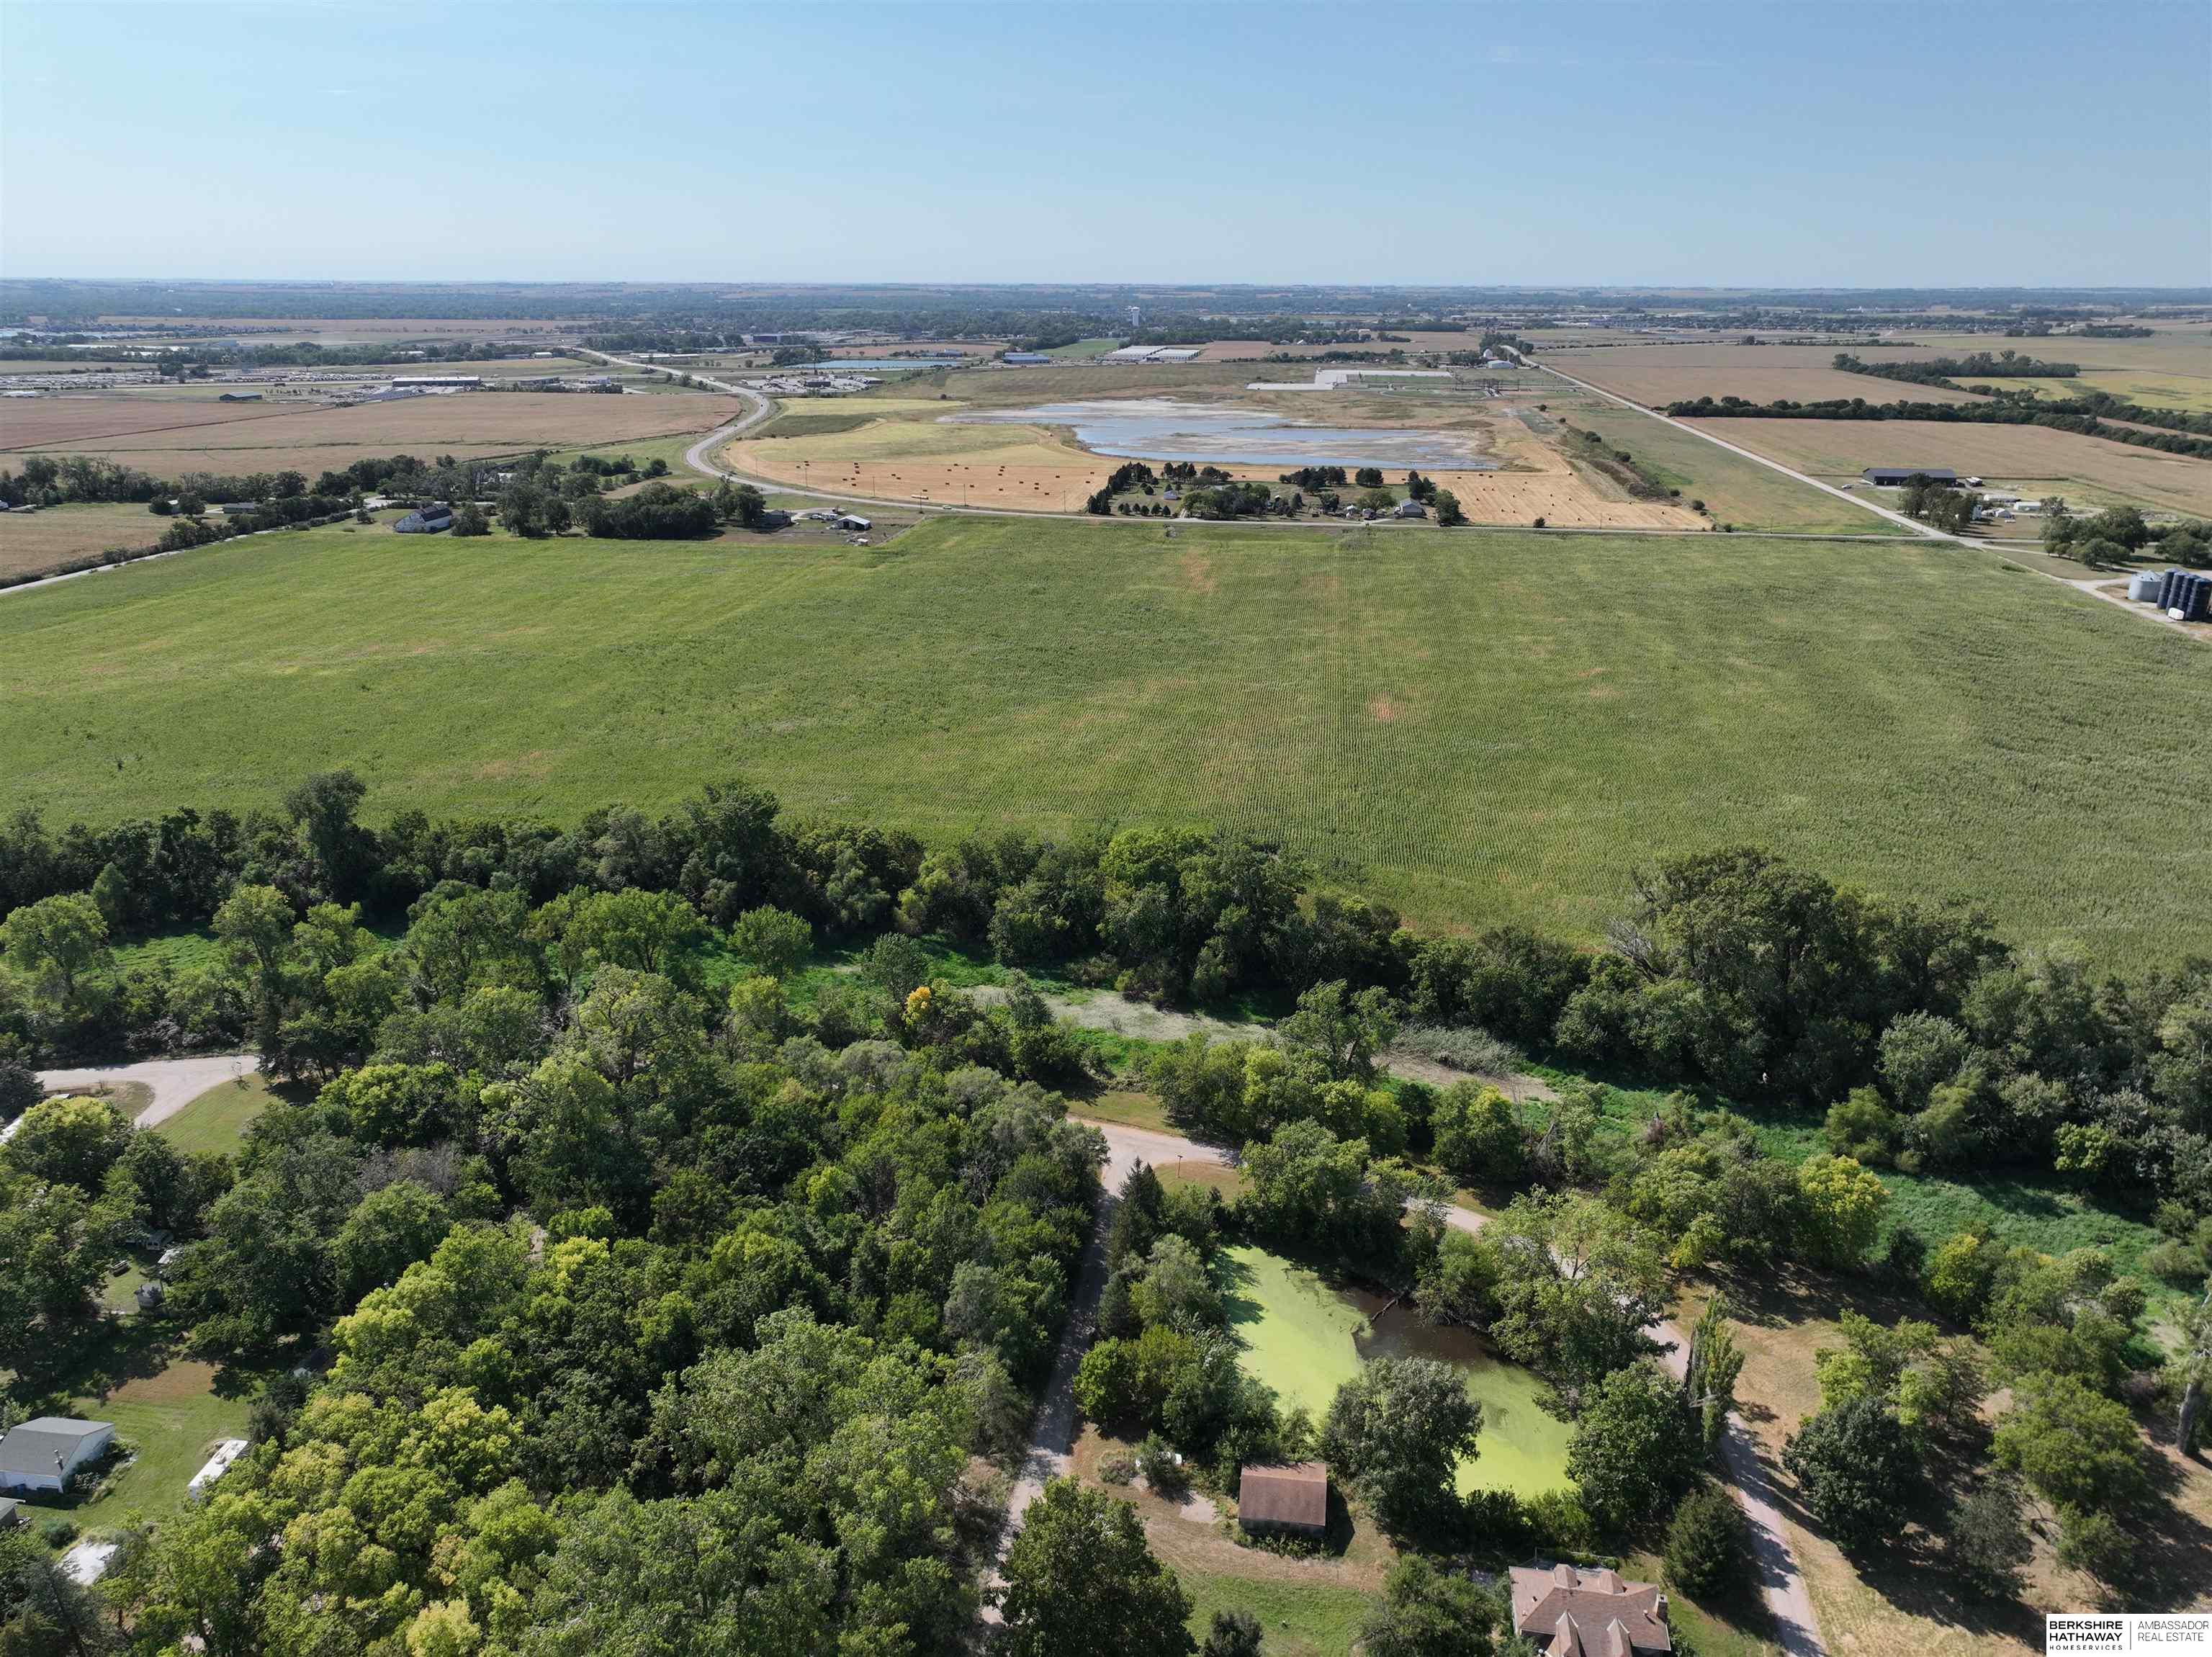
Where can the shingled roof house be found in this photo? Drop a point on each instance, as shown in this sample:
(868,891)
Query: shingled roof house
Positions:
(1589,1613)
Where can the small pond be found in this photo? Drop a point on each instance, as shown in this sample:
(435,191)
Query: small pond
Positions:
(1161,428)
(1306,1338)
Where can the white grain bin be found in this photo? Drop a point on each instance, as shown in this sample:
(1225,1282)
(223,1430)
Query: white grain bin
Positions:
(2142,586)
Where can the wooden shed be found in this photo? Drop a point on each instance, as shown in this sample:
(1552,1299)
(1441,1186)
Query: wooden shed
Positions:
(1293,1500)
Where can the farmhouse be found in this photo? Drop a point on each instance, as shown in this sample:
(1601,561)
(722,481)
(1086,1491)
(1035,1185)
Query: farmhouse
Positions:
(1292,1499)
(44,1453)
(1589,1613)
(1895,477)
(1410,510)
(428,521)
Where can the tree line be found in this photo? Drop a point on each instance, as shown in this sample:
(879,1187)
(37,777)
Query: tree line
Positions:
(1736,970)
(2089,416)
(1942,370)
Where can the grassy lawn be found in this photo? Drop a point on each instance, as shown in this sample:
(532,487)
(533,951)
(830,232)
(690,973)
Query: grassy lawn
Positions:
(172,1419)
(1305,1339)
(1126,1108)
(1478,729)
(214,1121)
(1705,1631)
(1301,1619)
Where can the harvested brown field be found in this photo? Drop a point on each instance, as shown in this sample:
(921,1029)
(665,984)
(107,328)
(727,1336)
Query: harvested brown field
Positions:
(311,459)
(167,438)
(32,543)
(61,423)
(2185,349)
(1657,375)
(1838,450)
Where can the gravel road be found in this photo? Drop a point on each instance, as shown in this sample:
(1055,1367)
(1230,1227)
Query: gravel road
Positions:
(175,1082)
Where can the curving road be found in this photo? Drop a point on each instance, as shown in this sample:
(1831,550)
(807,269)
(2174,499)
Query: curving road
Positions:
(1052,1434)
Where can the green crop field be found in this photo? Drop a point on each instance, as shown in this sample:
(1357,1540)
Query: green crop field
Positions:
(1475,725)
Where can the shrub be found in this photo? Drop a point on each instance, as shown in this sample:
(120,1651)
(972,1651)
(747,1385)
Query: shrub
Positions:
(1707,1545)
(2077,1448)
(58,1532)
(2095,1545)
(1475,1050)
(1234,1634)
(1858,1470)
(1989,1543)
(1636,1445)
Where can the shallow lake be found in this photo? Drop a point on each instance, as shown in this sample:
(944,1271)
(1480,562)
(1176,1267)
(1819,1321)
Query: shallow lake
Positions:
(1306,1338)
(1161,428)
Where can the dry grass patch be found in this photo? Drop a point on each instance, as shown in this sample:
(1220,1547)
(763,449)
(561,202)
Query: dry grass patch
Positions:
(1842,450)
(1893,1607)
(33,542)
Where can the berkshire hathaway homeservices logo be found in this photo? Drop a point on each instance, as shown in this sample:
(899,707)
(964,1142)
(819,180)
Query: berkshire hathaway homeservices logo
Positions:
(2072,1635)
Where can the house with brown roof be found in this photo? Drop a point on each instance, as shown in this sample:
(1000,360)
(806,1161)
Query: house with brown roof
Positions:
(1589,1613)
(1291,1500)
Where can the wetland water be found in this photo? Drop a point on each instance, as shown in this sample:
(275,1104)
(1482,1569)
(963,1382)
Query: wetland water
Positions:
(1161,428)
(1305,1337)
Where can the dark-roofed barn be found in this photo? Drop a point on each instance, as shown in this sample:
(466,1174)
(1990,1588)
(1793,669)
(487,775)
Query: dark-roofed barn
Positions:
(1294,1498)
(1893,476)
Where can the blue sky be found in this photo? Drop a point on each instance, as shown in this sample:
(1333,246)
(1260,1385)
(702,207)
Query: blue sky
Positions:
(1732,146)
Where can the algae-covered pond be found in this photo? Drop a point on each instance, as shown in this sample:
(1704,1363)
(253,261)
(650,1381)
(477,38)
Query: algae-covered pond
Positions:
(1306,1338)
